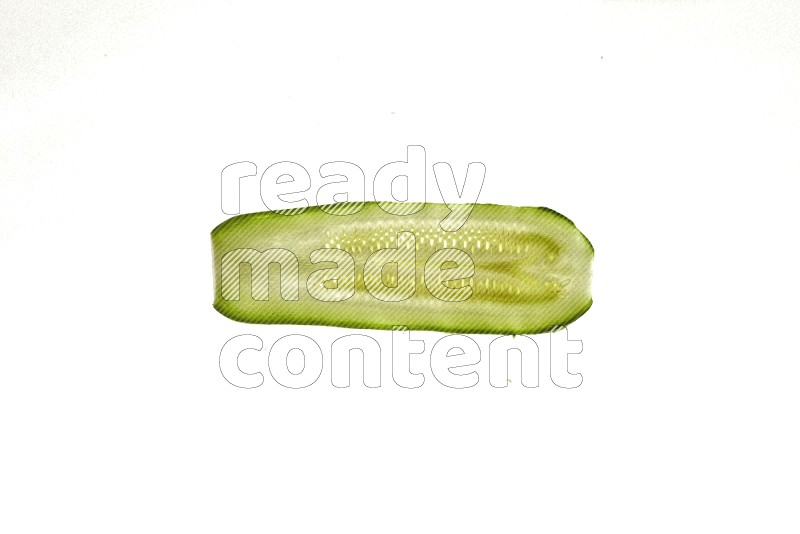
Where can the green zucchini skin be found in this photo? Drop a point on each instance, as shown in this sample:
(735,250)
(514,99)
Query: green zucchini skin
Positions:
(532,269)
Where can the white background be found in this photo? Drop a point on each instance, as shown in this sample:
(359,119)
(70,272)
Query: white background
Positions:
(668,131)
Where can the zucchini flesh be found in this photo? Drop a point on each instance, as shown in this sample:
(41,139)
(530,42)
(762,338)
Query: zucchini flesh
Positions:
(506,270)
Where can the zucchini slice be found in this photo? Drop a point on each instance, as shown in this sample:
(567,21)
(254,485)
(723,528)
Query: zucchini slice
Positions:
(506,270)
